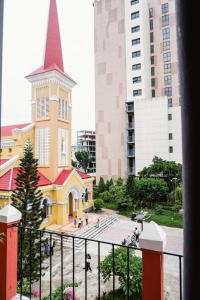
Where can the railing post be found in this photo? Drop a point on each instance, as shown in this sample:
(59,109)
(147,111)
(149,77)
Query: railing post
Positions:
(152,242)
(9,216)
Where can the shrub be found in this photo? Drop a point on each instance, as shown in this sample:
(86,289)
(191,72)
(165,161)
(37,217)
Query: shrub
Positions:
(135,270)
(25,287)
(151,190)
(124,203)
(158,210)
(105,196)
(67,293)
(101,186)
(98,203)
(178,201)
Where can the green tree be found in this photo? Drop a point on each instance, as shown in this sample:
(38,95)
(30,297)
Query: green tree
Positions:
(27,198)
(105,196)
(178,198)
(101,186)
(98,204)
(108,184)
(74,164)
(164,169)
(130,187)
(121,270)
(83,158)
(150,190)
(119,181)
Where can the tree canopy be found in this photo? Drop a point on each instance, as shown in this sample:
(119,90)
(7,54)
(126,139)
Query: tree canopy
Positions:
(83,158)
(164,169)
(27,198)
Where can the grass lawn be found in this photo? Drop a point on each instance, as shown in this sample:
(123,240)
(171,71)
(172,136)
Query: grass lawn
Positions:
(166,218)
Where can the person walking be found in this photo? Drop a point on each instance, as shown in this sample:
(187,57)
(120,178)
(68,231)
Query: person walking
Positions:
(86,218)
(88,262)
(75,221)
(136,233)
(133,241)
(98,223)
(46,248)
(52,247)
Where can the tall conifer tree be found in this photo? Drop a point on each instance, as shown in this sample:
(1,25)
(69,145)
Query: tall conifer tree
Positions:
(27,198)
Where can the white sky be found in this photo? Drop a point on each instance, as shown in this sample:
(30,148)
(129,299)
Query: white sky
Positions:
(25,25)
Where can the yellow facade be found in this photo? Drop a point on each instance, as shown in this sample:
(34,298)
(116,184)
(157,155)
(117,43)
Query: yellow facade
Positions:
(50,132)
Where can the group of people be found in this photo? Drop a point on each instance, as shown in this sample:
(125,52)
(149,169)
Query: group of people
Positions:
(133,239)
(49,247)
(79,222)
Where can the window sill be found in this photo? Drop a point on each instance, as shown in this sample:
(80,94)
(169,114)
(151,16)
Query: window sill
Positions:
(62,120)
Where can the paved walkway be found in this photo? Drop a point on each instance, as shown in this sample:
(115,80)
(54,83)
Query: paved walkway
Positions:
(114,234)
(70,228)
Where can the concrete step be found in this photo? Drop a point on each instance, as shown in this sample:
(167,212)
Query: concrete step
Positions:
(89,232)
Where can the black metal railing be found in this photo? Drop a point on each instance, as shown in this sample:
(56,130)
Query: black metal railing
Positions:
(61,240)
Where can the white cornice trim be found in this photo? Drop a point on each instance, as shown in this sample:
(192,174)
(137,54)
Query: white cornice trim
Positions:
(9,162)
(46,77)
(25,129)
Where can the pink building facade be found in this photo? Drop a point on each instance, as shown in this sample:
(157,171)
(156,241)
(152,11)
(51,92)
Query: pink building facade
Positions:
(137,100)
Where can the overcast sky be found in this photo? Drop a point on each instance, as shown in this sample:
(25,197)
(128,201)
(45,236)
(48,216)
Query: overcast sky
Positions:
(25,24)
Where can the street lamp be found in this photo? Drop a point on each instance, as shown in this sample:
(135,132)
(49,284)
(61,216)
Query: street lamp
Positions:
(174,179)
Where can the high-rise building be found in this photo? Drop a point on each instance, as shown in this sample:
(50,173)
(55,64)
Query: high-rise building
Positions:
(86,141)
(137,99)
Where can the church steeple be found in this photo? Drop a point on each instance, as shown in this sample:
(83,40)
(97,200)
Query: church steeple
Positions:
(53,49)
(51,104)
(53,59)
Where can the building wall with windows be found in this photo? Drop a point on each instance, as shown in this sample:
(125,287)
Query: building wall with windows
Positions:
(146,64)
(155,135)
(86,141)
(137,54)
(50,119)
(165,53)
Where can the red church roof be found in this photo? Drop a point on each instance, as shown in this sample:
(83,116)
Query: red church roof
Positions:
(83,175)
(53,59)
(64,174)
(7,130)
(2,161)
(7,181)
(62,177)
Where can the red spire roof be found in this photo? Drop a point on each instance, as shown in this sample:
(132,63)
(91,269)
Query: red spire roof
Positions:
(53,50)
(53,59)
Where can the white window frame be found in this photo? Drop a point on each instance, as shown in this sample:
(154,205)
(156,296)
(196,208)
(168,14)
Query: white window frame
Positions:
(42,108)
(42,145)
(63,109)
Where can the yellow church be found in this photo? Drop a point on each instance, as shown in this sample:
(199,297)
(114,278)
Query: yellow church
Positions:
(67,192)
